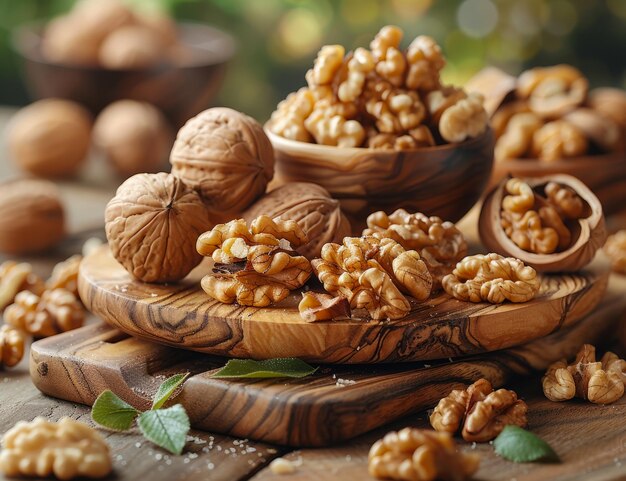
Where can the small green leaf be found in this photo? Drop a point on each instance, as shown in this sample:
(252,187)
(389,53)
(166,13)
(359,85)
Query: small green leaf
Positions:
(281,367)
(521,446)
(167,428)
(166,389)
(112,412)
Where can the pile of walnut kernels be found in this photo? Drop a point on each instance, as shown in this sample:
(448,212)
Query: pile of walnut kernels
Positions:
(380,98)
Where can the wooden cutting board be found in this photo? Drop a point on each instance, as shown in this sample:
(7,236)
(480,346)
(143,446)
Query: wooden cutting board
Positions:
(335,404)
(182,315)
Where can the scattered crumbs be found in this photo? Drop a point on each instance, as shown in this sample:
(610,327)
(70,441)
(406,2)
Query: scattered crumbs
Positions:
(358,348)
(250,449)
(168,462)
(427,365)
(491,442)
(344,382)
(137,444)
(153,294)
(334,376)
(271,451)
(186,461)
(219,448)
(282,466)
(474,445)
(192,455)
(210,466)
(158,456)
(119,457)
(450,359)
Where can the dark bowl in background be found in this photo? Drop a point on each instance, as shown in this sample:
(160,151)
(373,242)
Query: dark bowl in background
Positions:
(180,91)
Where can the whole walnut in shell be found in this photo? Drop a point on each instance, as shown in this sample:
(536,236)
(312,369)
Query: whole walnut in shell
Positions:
(50,138)
(131,47)
(312,207)
(226,157)
(32,217)
(152,225)
(134,136)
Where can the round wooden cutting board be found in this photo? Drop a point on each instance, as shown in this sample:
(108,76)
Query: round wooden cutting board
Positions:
(182,315)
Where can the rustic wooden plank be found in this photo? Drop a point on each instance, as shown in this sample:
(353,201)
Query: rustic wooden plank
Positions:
(182,315)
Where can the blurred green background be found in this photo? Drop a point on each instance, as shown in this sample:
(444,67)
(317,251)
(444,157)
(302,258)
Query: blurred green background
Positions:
(278,39)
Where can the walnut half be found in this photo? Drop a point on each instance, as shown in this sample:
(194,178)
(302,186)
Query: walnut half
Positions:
(479,412)
(11,346)
(601,382)
(492,278)
(15,278)
(255,265)
(420,455)
(65,449)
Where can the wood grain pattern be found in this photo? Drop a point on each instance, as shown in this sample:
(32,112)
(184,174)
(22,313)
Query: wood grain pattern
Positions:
(445,180)
(313,411)
(604,174)
(182,315)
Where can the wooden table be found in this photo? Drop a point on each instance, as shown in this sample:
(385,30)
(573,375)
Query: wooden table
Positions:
(590,439)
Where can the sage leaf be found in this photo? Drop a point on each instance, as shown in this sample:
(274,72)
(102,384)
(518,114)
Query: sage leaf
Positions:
(112,412)
(270,368)
(166,428)
(521,446)
(166,389)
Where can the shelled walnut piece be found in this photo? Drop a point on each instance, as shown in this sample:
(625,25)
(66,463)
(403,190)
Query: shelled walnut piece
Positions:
(492,278)
(440,244)
(56,311)
(540,223)
(15,278)
(600,382)
(65,275)
(66,449)
(374,274)
(316,306)
(11,345)
(376,98)
(615,249)
(255,265)
(420,455)
(478,412)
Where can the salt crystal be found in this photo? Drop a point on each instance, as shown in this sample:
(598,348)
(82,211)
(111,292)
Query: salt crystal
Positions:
(158,456)
(210,465)
(344,382)
(137,444)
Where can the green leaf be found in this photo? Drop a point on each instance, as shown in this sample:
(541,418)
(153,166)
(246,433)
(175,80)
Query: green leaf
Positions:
(281,367)
(521,446)
(167,388)
(167,428)
(112,412)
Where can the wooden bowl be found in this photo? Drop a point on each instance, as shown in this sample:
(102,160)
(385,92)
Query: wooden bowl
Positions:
(604,174)
(180,91)
(444,180)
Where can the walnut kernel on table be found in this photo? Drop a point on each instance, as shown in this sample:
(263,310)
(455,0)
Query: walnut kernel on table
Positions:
(134,136)
(226,157)
(440,244)
(32,217)
(56,311)
(64,275)
(420,455)
(374,274)
(600,382)
(50,137)
(316,306)
(152,225)
(16,277)
(11,345)
(255,265)
(492,278)
(615,249)
(312,207)
(478,412)
(66,449)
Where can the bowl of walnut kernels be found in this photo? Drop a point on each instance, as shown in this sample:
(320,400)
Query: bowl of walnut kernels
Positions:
(377,128)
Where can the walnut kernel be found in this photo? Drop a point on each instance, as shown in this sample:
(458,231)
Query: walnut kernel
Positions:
(11,345)
(15,278)
(65,449)
(615,249)
(557,140)
(492,278)
(316,306)
(465,119)
(420,455)
(65,275)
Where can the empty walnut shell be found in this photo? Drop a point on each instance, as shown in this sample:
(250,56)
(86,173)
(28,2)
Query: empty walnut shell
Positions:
(152,225)
(312,207)
(589,233)
(32,217)
(226,156)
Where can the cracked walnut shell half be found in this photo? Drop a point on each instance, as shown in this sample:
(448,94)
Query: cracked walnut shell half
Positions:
(255,265)
(152,225)
(420,455)
(65,449)
(478,412)
(374,274)
(553,223)
(492,278)
(226,157)
(600,382)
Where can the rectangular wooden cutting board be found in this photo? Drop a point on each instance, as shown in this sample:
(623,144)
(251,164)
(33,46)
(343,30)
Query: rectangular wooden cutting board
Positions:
(335,404)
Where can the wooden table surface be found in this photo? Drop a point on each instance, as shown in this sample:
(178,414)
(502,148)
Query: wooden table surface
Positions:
(590,439)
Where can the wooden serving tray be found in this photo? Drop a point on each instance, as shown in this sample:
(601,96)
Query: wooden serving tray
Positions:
(334,404)
(182,315)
